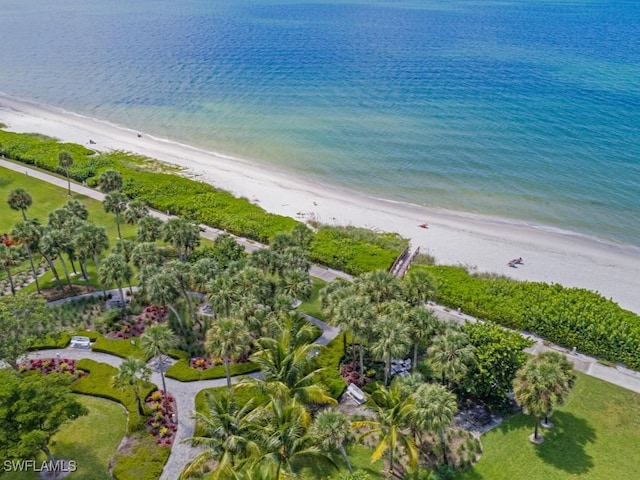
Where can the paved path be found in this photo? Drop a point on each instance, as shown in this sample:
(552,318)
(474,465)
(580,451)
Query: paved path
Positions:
(208,232)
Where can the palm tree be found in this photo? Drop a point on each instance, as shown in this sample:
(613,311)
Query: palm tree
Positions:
(380,286)
(286,443)
(90,241)
(183,235)
(54,243)
(146,253)
(110,181)
(115,203)
(418,286)
(19,199)
(76,209)
(130,372)
(331,428)
(287,367)
(116,270)
(330,298)
(27,234)
(227,338)
(392,340)
(136,210)
(228,431)
(149,229)
(162,291)
(155,342)
(65,161)
(9,257)
(538,387)
(296,284)
(203,272)
(423,325)
(450,355)
(181,275)
(354,314)
(434,410)
(223,292)
(393,414)
(566,381)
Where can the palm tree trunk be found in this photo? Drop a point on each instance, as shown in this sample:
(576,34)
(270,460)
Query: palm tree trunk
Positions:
(164,385)
(13,289)
(346,458)
(66,270)
(33,268)
(68,183)
(73,265)
(444,447)
(415,357)
(52,267)
(175,312)
(118,225)
(83,267)
(391,459)
(353,350)
(122,299)
(387,370)
(228,371)
(344,343)
(361,360)
(96,260)
(138,400)
(24,214)
(535,432)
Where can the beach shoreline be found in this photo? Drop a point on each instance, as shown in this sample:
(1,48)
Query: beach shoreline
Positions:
(480,243)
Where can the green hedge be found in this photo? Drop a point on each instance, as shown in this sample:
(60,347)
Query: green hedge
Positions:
(329,360)
(53,341)
(572,317)
(356,250)
(120,348)
(182,372)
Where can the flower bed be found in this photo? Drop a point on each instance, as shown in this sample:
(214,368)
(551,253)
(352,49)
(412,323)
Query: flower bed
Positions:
(135,327)
(162,422)
(52,365)
(203,363)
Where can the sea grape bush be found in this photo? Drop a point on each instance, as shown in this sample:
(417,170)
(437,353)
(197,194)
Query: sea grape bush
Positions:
(572,317)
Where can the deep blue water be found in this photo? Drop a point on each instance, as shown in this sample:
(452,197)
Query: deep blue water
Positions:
(523,109)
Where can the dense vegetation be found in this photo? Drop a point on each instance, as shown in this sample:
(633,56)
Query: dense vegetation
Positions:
(572,317)
(349,249)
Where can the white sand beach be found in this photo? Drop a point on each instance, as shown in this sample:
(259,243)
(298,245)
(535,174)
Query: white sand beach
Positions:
(482,243)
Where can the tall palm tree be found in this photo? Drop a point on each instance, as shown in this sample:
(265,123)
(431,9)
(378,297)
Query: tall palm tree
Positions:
(183,235)
(330,298)
(116,270)
(136,210)
(202,272)
(228,434)
(10,257)
(76,209)
(115,203)
(286,443)
(227,338)
(19,199)
(450,355)
(331,429)
(155,342)
(54,243)
(162,291)
(418,286)
(380,286)
(392,340)
(27,234)
(222,293)
(90,241)
(149,229)
(296,284)
(354,314)
(65,161)
(110,181)
(130,372)
(538,387)
(393,414)
(423,325)
(180,272)
(146,253)
(565,381)
(434,410)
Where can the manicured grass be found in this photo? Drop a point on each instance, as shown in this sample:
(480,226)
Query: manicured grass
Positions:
(360,458)
(312,305)
(596,437)
(90,440)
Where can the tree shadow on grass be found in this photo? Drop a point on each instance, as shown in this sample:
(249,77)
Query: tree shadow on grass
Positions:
(564,444)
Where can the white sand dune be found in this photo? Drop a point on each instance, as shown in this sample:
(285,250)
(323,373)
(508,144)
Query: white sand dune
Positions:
(482,243)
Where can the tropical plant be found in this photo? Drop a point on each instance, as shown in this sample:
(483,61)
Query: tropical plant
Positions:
(116,203)
(19,199)
(183,235)
(434,410)
(392,339)
(110,181)
(393,415)
(156,341)
(10,257)
(27,234)
(53,243)
(418,286)
(136,211)
(90,241)
(331,429)
(130,372)
(76,208)
(227,338)
(116,270)
(149,229)
(566,382)
(450,355)
(65,161)
(146,253)
(161,290)
(423,326)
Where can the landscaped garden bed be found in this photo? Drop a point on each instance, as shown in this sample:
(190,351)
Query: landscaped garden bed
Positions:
(52,365)
(162,422)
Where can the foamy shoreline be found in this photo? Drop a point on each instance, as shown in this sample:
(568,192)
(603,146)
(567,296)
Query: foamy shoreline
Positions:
(482,243)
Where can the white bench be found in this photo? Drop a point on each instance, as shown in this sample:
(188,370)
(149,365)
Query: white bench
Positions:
(80,342)
(356,394)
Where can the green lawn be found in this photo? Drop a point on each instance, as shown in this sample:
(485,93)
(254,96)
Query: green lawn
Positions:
(596,437)
(90,440)
(312,305)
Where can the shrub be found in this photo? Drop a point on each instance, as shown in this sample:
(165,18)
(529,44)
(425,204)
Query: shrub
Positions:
(329,360)
(572,317)
(182,372)
(145,462)
(120,348)
(53,341)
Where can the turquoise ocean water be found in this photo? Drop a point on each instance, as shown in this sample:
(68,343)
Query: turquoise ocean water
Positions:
(528,110)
